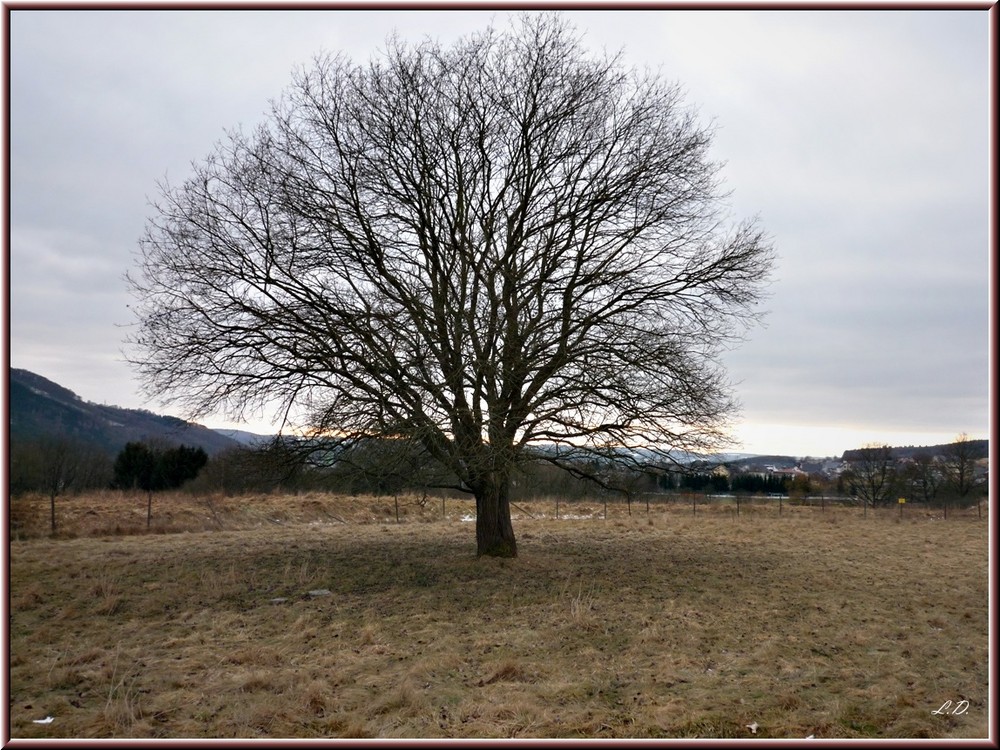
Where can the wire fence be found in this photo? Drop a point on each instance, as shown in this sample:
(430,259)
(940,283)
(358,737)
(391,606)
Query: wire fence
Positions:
(737,505)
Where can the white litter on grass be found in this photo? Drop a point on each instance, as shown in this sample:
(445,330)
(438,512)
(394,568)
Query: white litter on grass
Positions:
(753,727)
(466,518)
(320,592)
(46,720)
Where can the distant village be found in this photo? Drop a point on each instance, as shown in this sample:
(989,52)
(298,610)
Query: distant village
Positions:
(923,473)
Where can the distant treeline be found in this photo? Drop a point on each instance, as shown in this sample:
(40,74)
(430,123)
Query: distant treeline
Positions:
(977,448)
(64,466)
(764,484)
(57,466)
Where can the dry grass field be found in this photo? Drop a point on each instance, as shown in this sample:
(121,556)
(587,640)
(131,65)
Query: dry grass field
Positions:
(318,616)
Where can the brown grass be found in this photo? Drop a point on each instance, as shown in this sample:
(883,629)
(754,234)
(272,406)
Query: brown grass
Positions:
(666,625)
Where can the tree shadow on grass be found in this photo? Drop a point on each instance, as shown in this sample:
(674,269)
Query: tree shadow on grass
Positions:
(377,571)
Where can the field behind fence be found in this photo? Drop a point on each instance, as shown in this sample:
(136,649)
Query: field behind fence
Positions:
(117,513)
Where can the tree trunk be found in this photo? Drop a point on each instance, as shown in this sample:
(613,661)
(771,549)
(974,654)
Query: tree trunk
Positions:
(494,531)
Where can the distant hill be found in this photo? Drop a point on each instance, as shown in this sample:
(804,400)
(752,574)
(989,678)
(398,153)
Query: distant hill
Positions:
(246,438)
(41,408)
(980,449)
(777,461)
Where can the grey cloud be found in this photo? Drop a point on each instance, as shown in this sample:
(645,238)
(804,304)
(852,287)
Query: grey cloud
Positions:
(860,138)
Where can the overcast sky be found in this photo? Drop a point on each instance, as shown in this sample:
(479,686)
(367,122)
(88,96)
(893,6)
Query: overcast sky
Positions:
(859,138)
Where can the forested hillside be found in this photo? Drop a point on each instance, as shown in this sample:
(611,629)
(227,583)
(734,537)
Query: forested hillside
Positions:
(40,408)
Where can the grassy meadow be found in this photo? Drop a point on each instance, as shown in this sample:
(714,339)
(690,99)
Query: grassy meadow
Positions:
(321,616)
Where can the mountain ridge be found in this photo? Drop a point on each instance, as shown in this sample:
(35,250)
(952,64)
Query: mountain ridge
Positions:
(41,408)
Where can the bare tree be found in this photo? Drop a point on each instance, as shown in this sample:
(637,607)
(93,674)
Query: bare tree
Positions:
(923,477)
(61,460)
(959,462)
(872,475)
(480,248)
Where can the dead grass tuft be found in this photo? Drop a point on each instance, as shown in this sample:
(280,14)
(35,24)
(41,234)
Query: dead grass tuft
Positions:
(317,698)
(508,671)
(107,595)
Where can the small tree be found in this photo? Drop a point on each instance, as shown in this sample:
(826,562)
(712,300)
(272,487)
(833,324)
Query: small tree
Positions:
(872,475)
(923,476)
(959,464)
(60,462)
(800,487)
